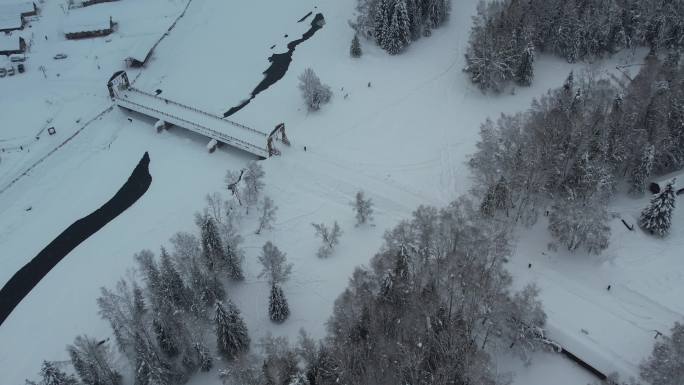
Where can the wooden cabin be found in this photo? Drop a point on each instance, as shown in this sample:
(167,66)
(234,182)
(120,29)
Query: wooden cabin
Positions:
(83,30)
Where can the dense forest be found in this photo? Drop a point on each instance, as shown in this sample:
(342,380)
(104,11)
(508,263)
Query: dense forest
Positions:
(506,34)
(578,145)
(394,24)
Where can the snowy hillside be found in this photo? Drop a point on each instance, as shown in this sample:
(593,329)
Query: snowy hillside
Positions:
(399,128)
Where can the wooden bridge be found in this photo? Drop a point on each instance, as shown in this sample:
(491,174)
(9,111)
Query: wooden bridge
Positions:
(168,112)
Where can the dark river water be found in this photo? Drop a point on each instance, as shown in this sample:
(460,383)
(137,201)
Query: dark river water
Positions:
(24,280)
(280,62)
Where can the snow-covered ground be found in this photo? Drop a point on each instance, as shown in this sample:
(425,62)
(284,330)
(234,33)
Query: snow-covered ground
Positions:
(403,140)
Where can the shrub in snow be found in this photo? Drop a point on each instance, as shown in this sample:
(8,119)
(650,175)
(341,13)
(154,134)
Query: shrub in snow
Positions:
(363,208)
(657,217)
(330,238)
(355,49)
(665,366)
(314,92)
(232,337)
(266,214)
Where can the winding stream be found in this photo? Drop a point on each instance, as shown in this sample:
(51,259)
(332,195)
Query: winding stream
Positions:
(280,62)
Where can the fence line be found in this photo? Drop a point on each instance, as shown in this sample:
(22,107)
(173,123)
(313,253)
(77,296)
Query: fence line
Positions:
(67,140)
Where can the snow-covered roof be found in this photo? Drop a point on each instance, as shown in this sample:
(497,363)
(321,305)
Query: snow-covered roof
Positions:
(77,23)
(141,48)
(9,43)
(16,9)
(10,22)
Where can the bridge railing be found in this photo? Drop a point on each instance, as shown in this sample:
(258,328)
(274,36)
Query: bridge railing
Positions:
(205,130)
(133,89)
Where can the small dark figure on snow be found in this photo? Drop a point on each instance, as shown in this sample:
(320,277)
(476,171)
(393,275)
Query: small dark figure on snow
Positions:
(608,288)
(529,265)
(369,84)
(304,148)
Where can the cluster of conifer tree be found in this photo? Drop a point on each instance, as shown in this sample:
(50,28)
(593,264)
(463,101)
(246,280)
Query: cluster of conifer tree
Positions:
(506,33)
(580,143)
(170,317)
(394,24)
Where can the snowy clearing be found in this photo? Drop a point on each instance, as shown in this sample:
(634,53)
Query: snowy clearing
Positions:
(402,134)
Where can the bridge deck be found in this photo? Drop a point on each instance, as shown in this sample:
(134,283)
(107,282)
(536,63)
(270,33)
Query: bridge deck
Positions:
(209,125)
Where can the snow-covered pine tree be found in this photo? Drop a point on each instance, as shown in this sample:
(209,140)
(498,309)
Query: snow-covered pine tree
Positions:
(267,214)
(657,217)
(165,338)
(205,288)
(172,285)
(278,309)
(215,255)
(150,367)
(399,32)
(204,358)
(665,366)
(355,49)
(363,208)
(232,337)
(488,59)
(498,197)
(381,21)
(274,264)
(524,73)
(437,12)
(151,275)
(92,362)
(212,247)
(415,18)
(642,171)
